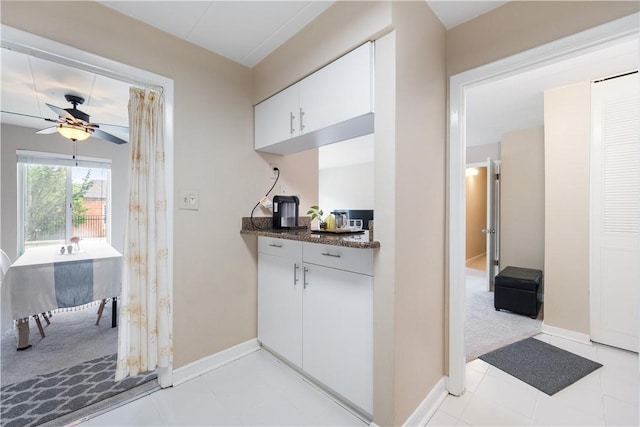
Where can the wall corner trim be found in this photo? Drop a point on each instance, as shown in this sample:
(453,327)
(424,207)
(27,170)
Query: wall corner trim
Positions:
(567,334)
(209,363)
(429,406)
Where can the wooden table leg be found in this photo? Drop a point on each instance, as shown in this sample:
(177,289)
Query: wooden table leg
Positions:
(100,310)
(39,325)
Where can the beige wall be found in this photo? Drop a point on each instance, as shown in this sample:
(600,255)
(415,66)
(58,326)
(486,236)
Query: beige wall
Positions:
(567,117)
(409,178)
(20,138)
(522,25)
(420,186)
(346,187)
(214,281)
(522,201)
(476,197)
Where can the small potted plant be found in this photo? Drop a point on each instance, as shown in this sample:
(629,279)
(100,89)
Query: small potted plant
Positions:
(316,212)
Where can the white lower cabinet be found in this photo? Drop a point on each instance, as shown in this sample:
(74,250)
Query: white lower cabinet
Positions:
(337,336)
(280,297)
(318,315)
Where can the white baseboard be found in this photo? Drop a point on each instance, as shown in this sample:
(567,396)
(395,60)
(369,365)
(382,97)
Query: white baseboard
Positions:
(209,363)
(475,257)
(566,333)
(429,405)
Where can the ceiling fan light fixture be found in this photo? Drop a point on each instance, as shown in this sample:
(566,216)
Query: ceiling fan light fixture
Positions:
(74,133)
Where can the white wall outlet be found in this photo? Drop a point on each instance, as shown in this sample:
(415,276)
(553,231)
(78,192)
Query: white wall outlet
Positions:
(189,199)
(274,172)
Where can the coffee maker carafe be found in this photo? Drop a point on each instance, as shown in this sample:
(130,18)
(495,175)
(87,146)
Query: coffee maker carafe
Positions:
(285,212)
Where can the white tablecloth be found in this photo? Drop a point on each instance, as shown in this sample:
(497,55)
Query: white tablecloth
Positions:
(29,286)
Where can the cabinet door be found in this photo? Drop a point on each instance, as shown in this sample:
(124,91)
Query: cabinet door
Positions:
(338,332)
(276,119)
(280,305)
(342,90)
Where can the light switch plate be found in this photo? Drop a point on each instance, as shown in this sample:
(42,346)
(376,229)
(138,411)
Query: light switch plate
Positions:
(189,200)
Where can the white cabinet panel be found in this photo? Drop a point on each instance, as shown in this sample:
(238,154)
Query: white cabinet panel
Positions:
(276,119)
(338,92)
(340,257)
(338,332)
(280,300)
(333,104)
(280,247)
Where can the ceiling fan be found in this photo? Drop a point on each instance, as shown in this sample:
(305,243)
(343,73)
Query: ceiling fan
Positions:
(74,124)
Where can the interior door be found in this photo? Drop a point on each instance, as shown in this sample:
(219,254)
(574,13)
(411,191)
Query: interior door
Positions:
(491,231)
(615,212)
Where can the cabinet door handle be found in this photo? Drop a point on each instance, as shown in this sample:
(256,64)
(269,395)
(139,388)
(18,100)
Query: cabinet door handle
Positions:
(331,255)
(304,278)
(273,245)
(301,123)
(291,119)
(295,274)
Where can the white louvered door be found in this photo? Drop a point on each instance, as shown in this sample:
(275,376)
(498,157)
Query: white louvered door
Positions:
(615,212)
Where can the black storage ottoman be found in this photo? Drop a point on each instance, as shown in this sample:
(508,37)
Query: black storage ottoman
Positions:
(518,290)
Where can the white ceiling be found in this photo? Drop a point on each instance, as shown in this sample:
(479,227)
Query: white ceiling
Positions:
(247,31)
(243,31)
(454,12)
(517,102)
(29,82)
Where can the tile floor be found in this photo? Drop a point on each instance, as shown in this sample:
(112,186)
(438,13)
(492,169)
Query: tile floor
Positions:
(259,390)
(256,390)
(606,397)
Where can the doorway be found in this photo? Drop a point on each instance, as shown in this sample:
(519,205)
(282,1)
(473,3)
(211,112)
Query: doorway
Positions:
(568,48)
(74,59)
(476,214)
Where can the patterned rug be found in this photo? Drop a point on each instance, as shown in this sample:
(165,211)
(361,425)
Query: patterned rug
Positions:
(51,396)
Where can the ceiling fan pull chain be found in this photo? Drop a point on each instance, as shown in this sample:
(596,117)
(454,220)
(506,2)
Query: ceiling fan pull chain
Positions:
(75,151)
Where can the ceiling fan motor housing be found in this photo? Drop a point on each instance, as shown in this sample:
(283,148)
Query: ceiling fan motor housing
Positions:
(76,100)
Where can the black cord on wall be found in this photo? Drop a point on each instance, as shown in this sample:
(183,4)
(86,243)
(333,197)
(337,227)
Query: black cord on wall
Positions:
(266,195)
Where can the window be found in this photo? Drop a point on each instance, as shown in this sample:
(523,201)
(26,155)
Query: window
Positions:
(59,197)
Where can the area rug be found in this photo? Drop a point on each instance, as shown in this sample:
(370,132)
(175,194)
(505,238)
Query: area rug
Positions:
(541,365)
(51,396)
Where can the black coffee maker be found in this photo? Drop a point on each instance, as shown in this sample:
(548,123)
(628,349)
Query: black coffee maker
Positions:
(285,212)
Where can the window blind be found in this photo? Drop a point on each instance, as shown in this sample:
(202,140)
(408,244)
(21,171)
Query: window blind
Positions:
(56,159)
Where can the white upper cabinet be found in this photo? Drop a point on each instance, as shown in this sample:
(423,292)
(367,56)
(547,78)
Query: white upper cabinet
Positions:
(333,104)
(338,92)
(276,119)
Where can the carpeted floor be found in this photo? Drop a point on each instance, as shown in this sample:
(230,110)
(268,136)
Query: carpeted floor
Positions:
(487,329)
(48,397)
(71,338)
(66,375)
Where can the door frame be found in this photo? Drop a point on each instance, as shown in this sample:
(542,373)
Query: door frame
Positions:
(587,41)
(53,51)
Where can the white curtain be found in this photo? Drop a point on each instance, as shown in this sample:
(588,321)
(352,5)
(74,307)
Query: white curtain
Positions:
(144,334)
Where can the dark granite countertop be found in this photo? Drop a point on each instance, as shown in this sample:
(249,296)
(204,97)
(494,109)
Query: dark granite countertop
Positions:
(263,227)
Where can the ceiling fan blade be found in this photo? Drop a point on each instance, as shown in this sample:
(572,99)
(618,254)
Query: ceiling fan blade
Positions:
(46,131)
(25,115)
(61,112)
(111,125)
(107,136)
